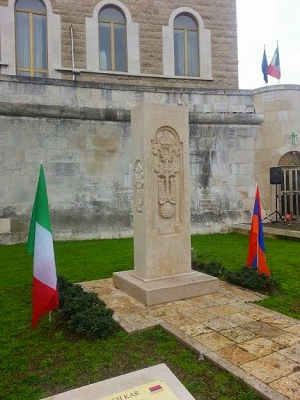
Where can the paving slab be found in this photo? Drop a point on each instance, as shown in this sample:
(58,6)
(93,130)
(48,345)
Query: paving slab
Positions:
(264,329)
(257,345)
(260,346)
(288,387)
(271,367)
(292,352)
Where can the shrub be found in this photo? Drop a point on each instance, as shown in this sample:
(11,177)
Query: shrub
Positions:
(213,268)
(84,312)
(251,279)
(245,277)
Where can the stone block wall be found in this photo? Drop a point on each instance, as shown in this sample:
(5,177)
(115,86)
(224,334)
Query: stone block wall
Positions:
(280,105)
(82,133)
(219,16)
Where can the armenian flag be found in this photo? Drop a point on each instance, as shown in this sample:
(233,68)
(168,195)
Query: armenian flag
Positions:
(257,254)
(156,389)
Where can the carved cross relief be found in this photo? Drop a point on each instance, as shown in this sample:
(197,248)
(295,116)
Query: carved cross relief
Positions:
(167,168)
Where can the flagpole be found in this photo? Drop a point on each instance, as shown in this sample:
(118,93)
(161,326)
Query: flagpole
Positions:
(278,83)
(264,53)
(256,236)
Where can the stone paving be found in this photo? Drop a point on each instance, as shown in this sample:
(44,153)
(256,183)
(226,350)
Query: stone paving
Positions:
(258,345)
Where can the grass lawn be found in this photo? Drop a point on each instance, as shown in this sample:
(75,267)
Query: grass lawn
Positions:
(47,360)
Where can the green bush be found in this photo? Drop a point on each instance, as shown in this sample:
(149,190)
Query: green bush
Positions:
(213,268)
(84,312)
(251,279)
(245,277)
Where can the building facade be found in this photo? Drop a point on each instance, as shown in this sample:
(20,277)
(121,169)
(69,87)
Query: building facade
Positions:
(70,74)
(150,36)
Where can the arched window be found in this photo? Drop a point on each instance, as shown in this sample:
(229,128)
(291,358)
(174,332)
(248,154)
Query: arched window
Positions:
(31,38)
(112,39)
(186,46)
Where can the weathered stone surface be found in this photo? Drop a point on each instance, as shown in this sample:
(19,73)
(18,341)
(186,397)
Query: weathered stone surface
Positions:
(98,199)
(281,119)
(264,329)
(82,133)
(238,334)
(4,225)
(238,319)
(214,340)
(194,329)
(289,387)
(260,347)
(217,324)
(236,355)
(287,340)
(270,368)
(222,310)
(292,352)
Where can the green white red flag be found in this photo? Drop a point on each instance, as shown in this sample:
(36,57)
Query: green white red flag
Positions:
(274,66)
(40,245)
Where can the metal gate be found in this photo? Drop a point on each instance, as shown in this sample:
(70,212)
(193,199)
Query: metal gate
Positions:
(290,191)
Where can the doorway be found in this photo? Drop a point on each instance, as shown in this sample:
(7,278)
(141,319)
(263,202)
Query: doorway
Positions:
(290,191)
(290,183)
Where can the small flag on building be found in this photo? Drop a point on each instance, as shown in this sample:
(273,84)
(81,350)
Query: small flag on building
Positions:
(256,254)
(40,245)
(274,66)
(264,66)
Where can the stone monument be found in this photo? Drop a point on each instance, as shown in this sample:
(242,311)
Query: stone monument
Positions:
(161,209)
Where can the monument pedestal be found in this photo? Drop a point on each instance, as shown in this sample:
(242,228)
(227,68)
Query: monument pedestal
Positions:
(165,290)
(161,209)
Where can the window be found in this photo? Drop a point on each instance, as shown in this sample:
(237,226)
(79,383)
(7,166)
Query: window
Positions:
(112,39)
(31,43)
(290,183)
(186,47)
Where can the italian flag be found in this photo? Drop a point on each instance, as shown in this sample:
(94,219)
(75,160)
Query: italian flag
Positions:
(274,66)
(40,245)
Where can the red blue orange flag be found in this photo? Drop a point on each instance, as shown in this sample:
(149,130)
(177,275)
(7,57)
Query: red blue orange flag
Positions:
(257,254)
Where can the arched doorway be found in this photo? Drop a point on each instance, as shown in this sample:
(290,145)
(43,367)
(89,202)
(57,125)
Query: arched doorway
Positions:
(290,183)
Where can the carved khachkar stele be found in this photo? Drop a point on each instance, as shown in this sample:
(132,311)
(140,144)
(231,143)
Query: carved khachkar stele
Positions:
(138,186)
(167,165)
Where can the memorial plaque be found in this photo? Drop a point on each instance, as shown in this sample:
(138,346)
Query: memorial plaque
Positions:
(159,388)
(155,383)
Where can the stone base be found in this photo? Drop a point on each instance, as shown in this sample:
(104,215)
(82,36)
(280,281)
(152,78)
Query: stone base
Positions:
(166,289)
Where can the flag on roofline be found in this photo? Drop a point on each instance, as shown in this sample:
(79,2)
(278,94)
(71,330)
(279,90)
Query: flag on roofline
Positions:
(256,253)
(264,66)
(40,245)
(274,66)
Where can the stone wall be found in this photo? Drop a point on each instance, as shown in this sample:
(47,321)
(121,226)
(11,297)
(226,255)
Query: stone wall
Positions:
(280,105)
(219,16)
(82,133)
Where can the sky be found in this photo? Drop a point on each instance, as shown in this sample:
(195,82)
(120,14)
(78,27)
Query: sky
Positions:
(263,22)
